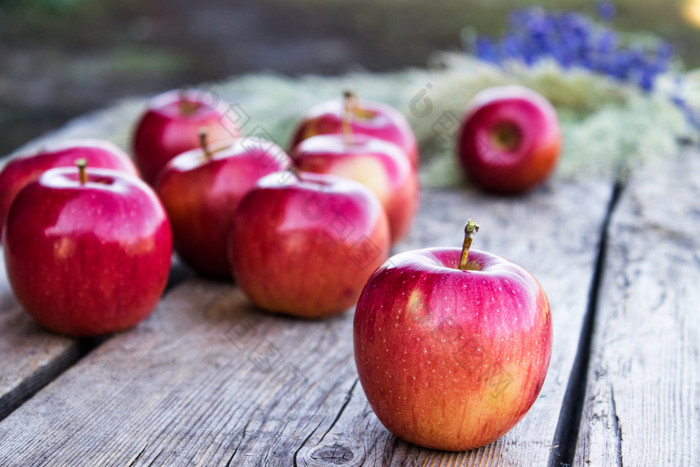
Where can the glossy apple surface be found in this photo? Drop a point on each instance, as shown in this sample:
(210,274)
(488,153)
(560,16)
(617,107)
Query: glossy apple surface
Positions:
(171,126)
(510,140)
(201,191)
(451,359)
(306,245)
(21,170)
(379,165)
(368,117)
(87,258)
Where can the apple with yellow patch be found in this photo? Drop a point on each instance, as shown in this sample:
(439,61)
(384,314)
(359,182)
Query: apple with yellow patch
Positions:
(451,346)
(379,165)
(360,116)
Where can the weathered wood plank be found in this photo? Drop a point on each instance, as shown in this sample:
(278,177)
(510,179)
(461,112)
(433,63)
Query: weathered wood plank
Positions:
(30,356)
(208,380)
(642,403)
(554,234)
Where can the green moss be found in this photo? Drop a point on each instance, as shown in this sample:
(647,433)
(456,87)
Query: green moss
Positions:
(606,125)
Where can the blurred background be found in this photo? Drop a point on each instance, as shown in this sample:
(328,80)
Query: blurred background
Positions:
(61,58)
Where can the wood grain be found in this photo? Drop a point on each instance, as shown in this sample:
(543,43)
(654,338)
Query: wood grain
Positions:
(553,237)
(207,380)
(30,356)
(642,403)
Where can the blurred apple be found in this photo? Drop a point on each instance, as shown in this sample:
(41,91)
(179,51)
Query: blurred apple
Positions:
(510,140)
(364,116)
(201,190)
(171,126)
(379,165)
(304,244)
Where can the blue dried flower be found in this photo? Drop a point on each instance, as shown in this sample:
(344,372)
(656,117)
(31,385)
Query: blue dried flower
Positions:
(575,40)
(606,10)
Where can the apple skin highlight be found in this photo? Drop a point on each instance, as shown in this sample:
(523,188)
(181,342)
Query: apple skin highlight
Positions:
(451,359)
(24,169)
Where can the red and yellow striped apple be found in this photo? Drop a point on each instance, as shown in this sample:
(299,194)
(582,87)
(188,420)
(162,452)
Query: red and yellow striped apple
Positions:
(367,117)
(379,165)
(451,346)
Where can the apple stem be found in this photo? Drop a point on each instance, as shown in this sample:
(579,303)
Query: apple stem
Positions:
(81,164)
(469,231)
(295,171)
(186,107)
(203,143)
(349,101)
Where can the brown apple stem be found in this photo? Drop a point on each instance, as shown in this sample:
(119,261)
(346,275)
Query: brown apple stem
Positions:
(81,164)
(469,231)
(186,107)
(295,171)
(203,143)
(349,101)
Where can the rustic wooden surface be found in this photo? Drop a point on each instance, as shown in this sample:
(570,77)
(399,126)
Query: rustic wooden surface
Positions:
(30,356)
(642,404)
(208,380)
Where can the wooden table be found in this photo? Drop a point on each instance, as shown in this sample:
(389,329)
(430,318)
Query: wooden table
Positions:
(209,380)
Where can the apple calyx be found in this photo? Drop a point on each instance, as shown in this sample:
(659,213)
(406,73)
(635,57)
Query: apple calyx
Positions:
(505,137)
(81,164)
(469,231)
(203,143)
(186,106)
(349,103)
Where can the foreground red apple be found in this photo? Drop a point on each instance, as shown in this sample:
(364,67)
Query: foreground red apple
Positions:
(379,165)
(20,171)
(366,117)
(171,126)
(87,252)
(451,350)
(201,189)
(305,244)
(510,140)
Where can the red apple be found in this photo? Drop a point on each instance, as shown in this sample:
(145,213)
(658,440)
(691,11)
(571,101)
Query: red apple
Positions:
(379,165)
(451,350)
(364,116)
(305,244)
(510,140)
(21,170)
(171,126)
(87,252)
(201,190)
